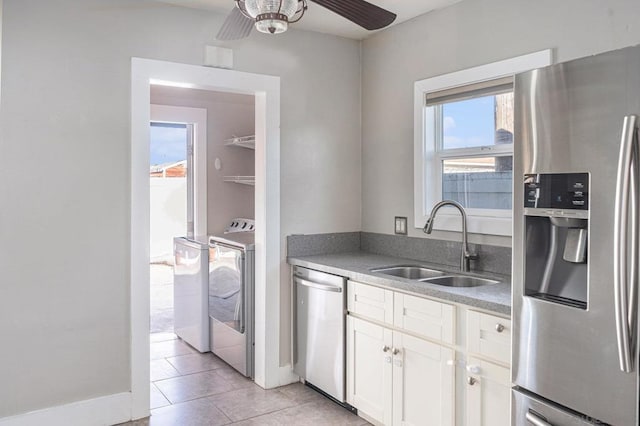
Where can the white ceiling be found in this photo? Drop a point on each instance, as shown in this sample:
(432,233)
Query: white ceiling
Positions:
(319,19)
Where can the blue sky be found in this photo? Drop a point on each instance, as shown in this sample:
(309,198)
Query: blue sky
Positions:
(168,144)
(469,123)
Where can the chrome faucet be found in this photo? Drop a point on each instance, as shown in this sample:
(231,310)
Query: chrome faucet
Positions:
(465,255)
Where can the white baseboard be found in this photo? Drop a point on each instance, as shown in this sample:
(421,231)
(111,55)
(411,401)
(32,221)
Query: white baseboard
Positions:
(106,410)
(286,376)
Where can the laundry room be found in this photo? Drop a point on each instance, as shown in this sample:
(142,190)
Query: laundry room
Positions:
(202,168)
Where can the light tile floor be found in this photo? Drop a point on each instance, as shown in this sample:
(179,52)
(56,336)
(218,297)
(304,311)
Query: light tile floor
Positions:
(161,298)
(193,389)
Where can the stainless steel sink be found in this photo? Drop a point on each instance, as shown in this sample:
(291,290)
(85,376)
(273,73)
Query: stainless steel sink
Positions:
(460,281)
(409,271)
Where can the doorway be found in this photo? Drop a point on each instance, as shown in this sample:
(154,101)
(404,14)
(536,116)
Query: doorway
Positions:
(177,186)
(176,144)
(187,275)
(171,210)
(266,90)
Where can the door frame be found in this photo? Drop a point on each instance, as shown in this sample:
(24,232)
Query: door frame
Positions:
(266,90)
(198,117)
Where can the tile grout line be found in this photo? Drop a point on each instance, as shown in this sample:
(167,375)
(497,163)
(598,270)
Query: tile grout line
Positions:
(203,396)
(190,374)
(165,397)
(215,368)
(282,409)
(263,414)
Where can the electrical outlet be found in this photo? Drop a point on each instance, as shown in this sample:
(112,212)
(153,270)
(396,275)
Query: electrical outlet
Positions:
(401,225)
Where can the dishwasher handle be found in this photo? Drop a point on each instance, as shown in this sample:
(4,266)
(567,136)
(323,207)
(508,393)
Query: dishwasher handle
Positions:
(316,285)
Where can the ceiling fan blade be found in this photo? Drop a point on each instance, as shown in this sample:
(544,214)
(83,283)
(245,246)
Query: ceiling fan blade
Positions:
(235,27)
(365,14)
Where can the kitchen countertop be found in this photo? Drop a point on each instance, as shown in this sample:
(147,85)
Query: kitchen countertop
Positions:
(357,265)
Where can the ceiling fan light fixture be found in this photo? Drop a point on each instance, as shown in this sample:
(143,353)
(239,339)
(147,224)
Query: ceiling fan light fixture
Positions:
(272,16)
(272,23)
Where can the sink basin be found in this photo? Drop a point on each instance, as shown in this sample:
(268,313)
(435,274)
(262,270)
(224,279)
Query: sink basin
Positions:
(460,281)
(410,272)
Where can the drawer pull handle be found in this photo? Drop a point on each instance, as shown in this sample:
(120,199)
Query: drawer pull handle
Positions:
(499,328)
(471,381)
(385,348)
(395,351)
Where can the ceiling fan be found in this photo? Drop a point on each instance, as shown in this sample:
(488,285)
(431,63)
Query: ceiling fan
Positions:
(274,16)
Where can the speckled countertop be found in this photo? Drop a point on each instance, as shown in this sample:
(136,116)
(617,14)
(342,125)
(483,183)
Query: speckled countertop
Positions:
(357,265)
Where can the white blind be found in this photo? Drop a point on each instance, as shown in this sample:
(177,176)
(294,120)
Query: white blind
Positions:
(474,90)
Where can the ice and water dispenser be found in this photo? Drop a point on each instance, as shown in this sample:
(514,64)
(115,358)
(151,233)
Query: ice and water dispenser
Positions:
(556,219)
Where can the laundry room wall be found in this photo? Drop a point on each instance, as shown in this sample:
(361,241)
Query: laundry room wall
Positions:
(228,114)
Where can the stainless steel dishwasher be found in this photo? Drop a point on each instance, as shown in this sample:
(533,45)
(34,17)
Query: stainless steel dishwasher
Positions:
(319,330)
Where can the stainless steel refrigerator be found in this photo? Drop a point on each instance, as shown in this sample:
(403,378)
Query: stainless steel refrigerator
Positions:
(575,250)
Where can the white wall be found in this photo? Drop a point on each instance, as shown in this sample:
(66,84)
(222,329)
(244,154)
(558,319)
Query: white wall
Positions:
(227,114)
(64,122)
(467,34)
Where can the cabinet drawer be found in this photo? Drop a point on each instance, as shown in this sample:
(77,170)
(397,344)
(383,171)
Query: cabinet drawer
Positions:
(489,336)
(370,302)
(424,317)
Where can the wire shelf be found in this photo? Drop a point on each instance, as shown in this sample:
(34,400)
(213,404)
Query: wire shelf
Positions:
(248,142)
(243,180)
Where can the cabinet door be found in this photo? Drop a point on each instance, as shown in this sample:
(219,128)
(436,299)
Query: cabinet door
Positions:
(423,382)
(369,369)
(488,394)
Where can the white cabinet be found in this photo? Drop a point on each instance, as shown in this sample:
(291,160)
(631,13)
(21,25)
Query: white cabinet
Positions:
(401,361)
(424,317)
(370,302)
(369,371)
(423,382)
(489,336)
(394,378)
(488,394)
(488,379)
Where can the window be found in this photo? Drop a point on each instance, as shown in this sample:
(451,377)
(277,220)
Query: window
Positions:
(473,145)
(464,144)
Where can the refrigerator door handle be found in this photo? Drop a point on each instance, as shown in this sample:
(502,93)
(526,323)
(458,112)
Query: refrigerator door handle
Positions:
(533,419)
(620,254)
(633,258)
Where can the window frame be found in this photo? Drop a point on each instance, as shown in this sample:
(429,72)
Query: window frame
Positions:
(428,161)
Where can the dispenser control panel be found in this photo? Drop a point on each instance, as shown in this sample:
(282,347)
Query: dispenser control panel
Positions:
(557,191)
